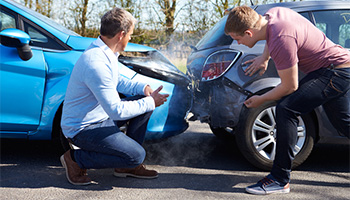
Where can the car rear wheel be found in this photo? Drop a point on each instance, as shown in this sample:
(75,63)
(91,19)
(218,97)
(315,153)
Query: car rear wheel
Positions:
(256,136)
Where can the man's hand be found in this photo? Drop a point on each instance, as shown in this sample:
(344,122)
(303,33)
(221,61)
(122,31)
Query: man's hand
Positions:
(258,63)
(254,101)
(159,99)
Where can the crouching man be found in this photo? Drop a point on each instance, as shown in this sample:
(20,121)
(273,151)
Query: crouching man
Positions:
(93,110)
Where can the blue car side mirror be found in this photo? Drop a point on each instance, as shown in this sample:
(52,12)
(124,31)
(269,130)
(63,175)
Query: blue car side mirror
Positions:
(12,37)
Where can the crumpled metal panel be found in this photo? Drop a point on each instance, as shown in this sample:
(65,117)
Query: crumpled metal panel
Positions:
(225,105)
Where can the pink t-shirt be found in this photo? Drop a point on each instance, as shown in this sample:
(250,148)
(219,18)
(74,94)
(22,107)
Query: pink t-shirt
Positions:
(292,39)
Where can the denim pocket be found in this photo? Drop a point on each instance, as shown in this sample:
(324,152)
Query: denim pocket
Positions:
(338,83)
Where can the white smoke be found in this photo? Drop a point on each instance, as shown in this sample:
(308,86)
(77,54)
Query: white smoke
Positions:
(183,149)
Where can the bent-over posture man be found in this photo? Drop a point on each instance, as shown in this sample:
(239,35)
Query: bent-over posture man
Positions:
(93,110)
(293,46)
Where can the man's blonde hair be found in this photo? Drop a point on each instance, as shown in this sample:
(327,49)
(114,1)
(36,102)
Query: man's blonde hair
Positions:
(241,19)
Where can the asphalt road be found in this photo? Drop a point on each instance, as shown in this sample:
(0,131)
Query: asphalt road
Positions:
(193,165)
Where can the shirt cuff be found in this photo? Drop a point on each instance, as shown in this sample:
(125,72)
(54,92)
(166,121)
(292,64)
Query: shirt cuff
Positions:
(150,102)
(143,90)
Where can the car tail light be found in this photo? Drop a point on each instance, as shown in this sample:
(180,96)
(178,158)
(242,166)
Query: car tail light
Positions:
(218,63)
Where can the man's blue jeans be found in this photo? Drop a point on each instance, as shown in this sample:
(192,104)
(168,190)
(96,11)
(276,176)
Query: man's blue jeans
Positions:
(326,87)
(103,145)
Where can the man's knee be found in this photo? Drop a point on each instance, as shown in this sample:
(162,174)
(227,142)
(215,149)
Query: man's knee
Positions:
(138,156)
(281,108)
(146,115)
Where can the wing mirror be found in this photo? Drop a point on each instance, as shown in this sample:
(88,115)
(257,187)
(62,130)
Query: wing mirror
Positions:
(12,37)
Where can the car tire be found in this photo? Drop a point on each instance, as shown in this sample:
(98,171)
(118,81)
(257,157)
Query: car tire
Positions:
(223,133)
(261,154)
(64,142)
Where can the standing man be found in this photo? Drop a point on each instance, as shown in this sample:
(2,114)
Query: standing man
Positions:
(293,46)
(93,110)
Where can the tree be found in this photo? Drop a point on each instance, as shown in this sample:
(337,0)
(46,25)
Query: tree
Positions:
(28,3)
(128,5)
(160,22)
(135,8)
(41,6)
(198,17)
(221,6)
(168,9)
(80,16)
(81,10)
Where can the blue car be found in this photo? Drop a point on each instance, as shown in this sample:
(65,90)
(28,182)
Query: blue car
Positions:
(36,60)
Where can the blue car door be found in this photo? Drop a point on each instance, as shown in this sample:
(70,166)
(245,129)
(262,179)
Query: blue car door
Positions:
(22,85)
(22,88)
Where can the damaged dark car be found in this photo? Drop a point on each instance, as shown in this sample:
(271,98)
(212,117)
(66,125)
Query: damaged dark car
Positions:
(220,86)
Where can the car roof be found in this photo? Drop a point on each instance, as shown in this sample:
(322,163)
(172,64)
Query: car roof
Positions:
(301,6)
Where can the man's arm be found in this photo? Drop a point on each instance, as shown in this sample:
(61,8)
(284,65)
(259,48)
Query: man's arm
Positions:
(101,83)
(289,84)
(127,86)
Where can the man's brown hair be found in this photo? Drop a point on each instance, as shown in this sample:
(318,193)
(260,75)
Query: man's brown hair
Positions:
(115,21)
(241,19)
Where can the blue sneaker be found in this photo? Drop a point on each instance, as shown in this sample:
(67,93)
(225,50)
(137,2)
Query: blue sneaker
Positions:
(268,185)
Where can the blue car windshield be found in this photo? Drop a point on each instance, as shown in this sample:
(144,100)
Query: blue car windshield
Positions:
(44,19)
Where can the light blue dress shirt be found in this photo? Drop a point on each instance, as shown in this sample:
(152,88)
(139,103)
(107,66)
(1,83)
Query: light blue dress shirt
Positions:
(92,92)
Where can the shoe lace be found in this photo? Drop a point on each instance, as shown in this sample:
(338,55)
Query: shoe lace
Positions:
(266,181)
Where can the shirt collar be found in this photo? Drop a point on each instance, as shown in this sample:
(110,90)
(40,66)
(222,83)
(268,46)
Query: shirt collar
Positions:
(106,49)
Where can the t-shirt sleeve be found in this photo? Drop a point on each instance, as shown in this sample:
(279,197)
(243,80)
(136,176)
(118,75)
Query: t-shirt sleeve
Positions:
(283,51)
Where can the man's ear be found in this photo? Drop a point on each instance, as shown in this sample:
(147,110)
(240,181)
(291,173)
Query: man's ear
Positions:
(249,32)
(120,35)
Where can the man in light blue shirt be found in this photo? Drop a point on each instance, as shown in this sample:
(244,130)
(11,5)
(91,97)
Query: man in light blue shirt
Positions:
(93,110)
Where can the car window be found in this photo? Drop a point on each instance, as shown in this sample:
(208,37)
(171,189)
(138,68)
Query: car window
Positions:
(335,24)
(40,39)
(6,20)
(43,18)
(216,36)
(305,14)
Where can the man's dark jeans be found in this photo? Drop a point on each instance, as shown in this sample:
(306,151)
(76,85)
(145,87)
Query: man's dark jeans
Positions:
(103,145)
(326,87)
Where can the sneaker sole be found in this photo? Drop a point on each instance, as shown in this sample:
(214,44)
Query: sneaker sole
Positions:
(65,167)
(124,175)
(259,192)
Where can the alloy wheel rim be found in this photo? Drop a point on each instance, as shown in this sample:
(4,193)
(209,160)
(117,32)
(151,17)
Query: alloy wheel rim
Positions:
(264,134)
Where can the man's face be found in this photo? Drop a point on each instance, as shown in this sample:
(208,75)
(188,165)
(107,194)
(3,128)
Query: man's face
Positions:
(245,39)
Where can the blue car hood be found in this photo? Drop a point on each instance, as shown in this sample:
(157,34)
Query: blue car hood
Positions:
(81,43)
